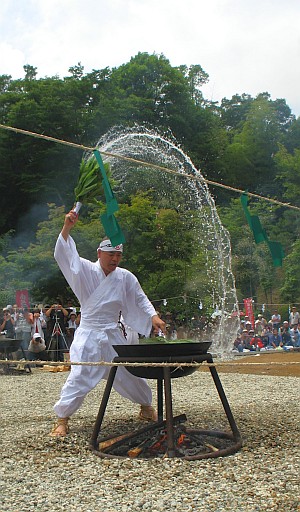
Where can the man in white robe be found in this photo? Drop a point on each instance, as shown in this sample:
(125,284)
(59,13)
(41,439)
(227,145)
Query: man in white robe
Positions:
(103,290)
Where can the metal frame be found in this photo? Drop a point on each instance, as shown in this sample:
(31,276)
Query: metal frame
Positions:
(164,378)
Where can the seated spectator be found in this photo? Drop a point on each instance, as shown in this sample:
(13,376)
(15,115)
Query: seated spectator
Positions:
(286,335)
(295,335)
(264,322)
(266,334)
(248,325)
(245,342)
(258,327)
(37,348)
(237,343)
(256,343)
(297,344)
(241,327)
(250,341)
(275,340)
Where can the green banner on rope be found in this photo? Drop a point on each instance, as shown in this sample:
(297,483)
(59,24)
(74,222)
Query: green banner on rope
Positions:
(111,202)
(109,222)
(277,253)
(260,234)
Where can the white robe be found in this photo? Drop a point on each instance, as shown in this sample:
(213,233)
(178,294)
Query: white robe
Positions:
(101,299)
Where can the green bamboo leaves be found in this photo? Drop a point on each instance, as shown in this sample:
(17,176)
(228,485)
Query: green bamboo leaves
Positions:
(89,185)
(93,182)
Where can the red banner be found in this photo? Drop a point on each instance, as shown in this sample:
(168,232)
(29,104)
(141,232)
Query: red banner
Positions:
(22,298)
(248,304)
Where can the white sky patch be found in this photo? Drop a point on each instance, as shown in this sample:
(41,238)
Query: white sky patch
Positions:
(245,46)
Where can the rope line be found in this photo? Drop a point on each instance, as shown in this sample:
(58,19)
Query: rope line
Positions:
(163,364)
(142,162)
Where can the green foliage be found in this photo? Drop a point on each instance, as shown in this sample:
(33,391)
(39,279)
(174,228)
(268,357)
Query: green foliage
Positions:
(89,185)
(252,263)
(290,289)
(149,81)
(289,173)
(248,143)
(159,250)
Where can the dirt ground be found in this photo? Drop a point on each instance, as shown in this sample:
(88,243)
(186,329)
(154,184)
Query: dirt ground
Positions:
(286,364)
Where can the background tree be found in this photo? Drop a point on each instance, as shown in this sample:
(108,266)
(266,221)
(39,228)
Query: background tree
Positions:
(290,289)
(249,143)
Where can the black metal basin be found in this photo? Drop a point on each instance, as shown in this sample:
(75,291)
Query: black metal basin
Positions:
(8,345)
(163,349)
(162,353)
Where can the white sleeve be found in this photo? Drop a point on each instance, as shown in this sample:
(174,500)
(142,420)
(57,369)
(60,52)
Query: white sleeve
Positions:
(76,270)
(139,310)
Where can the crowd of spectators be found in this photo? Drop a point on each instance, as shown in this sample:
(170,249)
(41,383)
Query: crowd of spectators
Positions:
(46,332)
(274,334)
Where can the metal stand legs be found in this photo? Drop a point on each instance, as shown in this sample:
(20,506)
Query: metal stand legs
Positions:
(164,384)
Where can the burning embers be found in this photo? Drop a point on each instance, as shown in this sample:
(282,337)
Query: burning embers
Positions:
(152,441)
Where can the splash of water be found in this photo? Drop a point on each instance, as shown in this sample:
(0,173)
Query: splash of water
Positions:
(143,144)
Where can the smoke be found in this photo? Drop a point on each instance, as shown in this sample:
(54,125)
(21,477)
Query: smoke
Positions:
(29,262)
(27,226)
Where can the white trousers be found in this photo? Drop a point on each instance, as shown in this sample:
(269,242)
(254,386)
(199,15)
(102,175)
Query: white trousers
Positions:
(95,346)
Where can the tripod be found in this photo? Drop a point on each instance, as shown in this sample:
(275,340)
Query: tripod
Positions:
(57,343)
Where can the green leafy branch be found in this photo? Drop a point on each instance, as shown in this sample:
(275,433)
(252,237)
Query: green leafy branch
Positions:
(89,187)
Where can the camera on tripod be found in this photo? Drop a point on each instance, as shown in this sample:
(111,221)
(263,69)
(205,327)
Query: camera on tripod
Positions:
(57,345)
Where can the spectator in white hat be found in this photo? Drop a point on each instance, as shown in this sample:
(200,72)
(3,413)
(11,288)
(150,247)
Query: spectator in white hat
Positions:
(37,348)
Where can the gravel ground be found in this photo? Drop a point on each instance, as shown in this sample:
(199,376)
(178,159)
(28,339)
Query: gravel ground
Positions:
(44,474)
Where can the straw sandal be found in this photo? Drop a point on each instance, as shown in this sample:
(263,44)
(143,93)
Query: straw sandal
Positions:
(148,413)
(60,428)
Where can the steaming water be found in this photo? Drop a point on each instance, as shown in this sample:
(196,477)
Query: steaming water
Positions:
(190,191)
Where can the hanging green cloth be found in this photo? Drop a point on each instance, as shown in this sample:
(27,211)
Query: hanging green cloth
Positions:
(111,202)
(260,234)
(253,220)
(109,222)
(277,253)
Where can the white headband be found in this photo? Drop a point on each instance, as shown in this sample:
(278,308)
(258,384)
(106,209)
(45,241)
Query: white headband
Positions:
(107,246)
